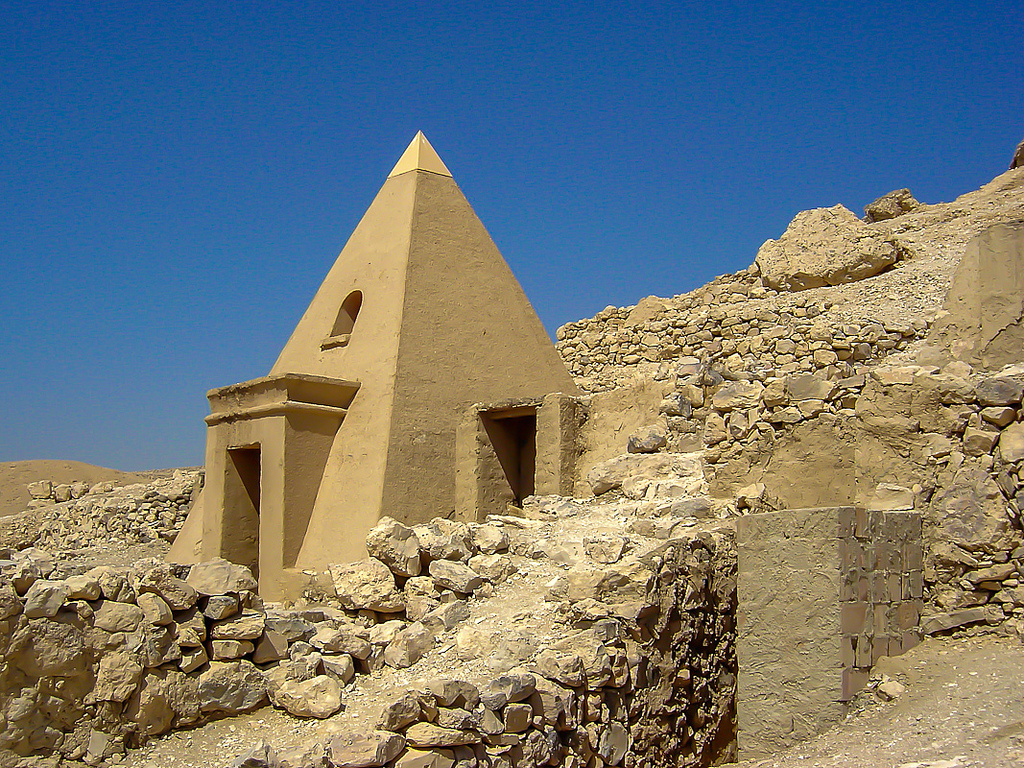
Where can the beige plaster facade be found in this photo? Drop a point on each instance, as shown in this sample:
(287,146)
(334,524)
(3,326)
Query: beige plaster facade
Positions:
(419,318)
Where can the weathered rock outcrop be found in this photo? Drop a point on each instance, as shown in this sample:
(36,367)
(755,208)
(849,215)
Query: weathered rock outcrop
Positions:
(825,246)
(983,315)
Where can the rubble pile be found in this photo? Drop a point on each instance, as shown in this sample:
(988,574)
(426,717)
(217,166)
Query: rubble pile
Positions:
(641,670)
(70,517)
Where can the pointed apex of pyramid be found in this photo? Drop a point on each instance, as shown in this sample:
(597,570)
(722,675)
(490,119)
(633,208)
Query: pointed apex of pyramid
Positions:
(419,156)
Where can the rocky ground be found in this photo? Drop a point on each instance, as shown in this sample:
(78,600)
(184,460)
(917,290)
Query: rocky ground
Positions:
(962,707)
(506,626)
(16,476)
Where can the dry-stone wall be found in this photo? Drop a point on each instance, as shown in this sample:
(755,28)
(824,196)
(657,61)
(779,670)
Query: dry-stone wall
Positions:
(643,674)
(734,323)
(68,517)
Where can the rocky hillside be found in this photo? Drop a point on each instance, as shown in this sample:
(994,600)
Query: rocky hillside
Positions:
(598,630)
(804,304)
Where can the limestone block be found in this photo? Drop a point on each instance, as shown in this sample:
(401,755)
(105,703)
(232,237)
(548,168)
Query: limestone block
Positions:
(449,692)
(493,568)
(331,640)
(260,755)
(289,625)
(317,697)
(364,750)
(457,718)
(395,545)
(384,633)
(941,622)
(888,496)
(454,576)
(613,743)
(890,205)
(45,598)
(518,717)
(1011,443)
(979,442)
(824,246)
(232,687)
(113,584)
(190,623)
(10,603)
(809,386)
(113,616)
(999,390)
(248,625)
(164,697)
(562,667)
(737,395)
(489,539)
(419,758)
(192,659)
(999,416)
(155,609)
(366,585)
(408,646)
(41,489)
(508,688)
(340,667)
(442,539)
(446,616)
(430,735)
(117,678)
(648,439)
(220,577)
(83,588)
(225,650)
(220,607)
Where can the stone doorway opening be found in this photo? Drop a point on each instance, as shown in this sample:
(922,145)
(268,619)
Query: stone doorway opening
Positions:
(513,435)
(241,535)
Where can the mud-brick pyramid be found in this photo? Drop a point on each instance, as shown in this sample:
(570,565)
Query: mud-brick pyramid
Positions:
(419,318)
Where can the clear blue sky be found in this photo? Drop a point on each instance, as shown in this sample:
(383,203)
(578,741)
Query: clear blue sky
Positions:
(176,178)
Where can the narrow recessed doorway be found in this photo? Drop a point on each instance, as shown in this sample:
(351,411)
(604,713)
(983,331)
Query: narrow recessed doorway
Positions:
(513,435)
(240,538)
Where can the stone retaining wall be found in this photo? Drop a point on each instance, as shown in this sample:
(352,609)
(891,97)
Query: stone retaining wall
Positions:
(734,323)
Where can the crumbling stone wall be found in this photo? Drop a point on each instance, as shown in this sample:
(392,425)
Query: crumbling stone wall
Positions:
(733,322)
(67,517)
(946,442)
(644,673)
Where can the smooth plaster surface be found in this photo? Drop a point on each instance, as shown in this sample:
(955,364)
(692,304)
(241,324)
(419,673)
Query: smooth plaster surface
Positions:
(442,324)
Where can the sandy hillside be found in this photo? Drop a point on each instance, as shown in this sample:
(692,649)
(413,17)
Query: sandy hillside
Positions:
(15,475)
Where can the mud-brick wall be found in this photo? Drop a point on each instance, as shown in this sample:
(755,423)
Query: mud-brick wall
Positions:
(882,558)
(822,594)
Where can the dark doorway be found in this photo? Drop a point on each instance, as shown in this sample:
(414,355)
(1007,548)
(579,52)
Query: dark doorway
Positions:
(241,534)
(513,435)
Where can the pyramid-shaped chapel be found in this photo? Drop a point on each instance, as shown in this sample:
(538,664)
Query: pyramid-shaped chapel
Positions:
(419,383)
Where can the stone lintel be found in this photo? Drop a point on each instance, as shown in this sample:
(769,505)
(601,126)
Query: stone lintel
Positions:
(276,395)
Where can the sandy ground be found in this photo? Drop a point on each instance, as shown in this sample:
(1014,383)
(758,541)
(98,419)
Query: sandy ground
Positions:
(16,475)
